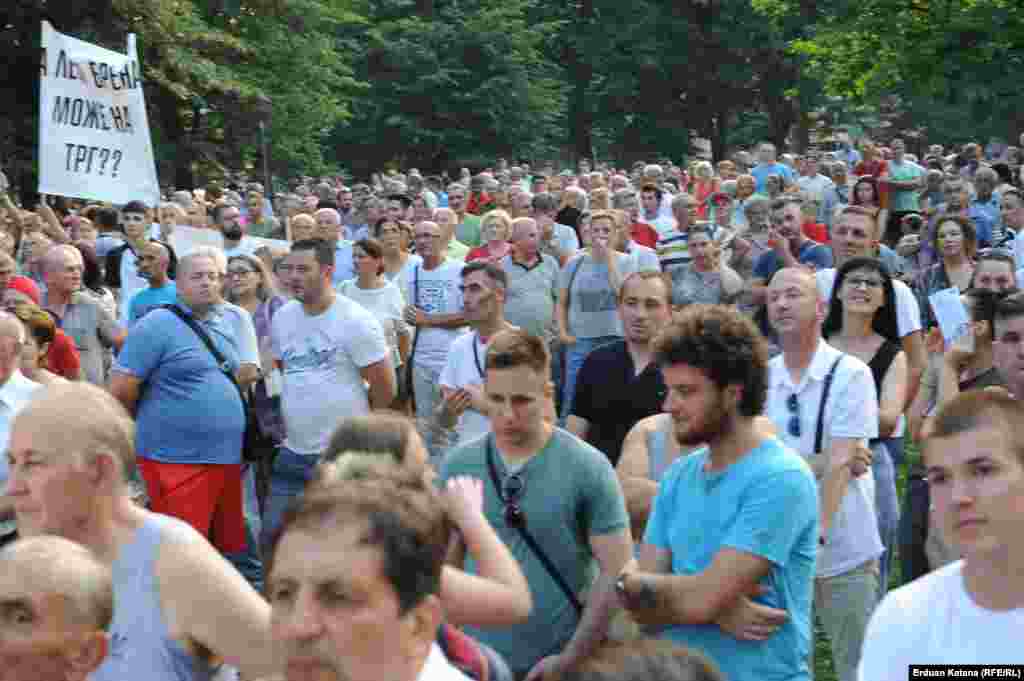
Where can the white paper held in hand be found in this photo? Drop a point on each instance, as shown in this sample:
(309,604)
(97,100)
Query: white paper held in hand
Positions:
(953,318)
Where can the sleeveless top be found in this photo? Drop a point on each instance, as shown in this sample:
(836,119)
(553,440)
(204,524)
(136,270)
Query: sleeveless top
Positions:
(140,643)
(880,364)
(658,443)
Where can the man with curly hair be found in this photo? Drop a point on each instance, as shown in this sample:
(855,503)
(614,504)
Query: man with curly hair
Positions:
(727,561)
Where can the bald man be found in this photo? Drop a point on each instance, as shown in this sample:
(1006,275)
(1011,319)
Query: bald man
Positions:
(153,267)
(177,602)
(79,313)
(302,227)
(56,602)
(15,392)
(330,229)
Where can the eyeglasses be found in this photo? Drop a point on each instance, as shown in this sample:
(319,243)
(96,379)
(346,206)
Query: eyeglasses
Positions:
(133,217)
(512,490)
(793,405)
(863,282)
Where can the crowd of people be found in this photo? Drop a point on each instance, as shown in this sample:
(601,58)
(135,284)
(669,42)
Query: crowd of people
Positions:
(590,423)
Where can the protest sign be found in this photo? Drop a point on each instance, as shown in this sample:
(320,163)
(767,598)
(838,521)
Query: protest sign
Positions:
(94,138)
(184,240)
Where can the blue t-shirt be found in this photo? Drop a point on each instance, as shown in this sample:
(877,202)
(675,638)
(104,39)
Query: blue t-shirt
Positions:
(761,173)
(188,410)
(765,504)
(344,269)
(151,298)
(818,256)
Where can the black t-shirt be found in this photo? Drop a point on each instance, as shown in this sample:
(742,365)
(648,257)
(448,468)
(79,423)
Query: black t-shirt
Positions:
(612,397)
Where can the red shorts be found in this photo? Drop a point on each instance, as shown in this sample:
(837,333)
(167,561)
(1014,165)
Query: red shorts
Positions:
(206,496)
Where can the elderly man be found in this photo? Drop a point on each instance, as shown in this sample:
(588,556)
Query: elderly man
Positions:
(467,229)
(302,227)
(15,393)
(78,313)
(379,543)
(154,265)
(767,164)
(448,221)
(330,229)
(177,603)
(56,602)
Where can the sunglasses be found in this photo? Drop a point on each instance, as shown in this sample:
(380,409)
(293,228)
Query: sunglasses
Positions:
(793,406)
(512,490)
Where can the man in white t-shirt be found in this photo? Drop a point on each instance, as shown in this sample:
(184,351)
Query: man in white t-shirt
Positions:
(970,611)
(435,309)
(846,586)
(484,286)
(334,361)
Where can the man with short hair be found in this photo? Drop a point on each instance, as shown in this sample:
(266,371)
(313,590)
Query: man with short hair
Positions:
(532,281)
(904,179)
(15,393)
(327,346)
(177,603)
(78,313)
(122,266)
(768,165)
(557,240)
(259,221)
(434,307)
(330,229)
(463,403)
(467,225)
(984,210)
(379,543)
(816,185)
(109,237)
(642,232)
(727,562)
(546,492)
(971,611)
(153,265)
(673,248)
(236,240)
(619,383)
(790,247)
(454,250)
(57,601)
(190,416)
(650,212)
(825,407)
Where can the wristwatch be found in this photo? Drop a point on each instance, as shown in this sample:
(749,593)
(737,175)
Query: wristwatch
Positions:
(620,586)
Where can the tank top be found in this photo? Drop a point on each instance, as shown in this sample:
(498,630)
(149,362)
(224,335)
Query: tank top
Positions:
(658,443)
(141,646)
(879,366)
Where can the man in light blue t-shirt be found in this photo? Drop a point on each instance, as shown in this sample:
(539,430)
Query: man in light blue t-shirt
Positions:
(727,562)
(769,165)
(153,267)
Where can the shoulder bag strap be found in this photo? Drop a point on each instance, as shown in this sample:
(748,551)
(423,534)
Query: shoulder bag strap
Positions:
(222,362)
(530,541)
(819,431)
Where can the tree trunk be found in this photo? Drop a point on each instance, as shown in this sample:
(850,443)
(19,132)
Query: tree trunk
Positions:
(580,118)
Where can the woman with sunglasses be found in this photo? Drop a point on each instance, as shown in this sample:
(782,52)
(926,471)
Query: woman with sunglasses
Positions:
(861,322)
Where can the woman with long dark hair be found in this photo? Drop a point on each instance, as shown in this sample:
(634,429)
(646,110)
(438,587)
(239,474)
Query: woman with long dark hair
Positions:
(866,193)
(955,243)
(861,322)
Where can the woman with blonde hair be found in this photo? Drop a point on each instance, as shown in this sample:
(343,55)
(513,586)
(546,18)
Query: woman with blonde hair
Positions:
(574,202)
(41,330)
(495,228)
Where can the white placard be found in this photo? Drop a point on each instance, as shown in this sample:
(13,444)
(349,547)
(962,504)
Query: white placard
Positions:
(94,138)
(951,314)
(184,240)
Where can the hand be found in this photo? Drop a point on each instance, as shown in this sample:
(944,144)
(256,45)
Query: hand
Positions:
(476,397)
(453,406)
(746,620)
(860,462)
(909,245)
(934,343)
(548,667)
(414,316)
(464,497)
(566,339)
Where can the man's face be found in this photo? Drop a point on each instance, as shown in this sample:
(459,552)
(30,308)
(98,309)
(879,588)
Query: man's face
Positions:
(1008,352)
(853,236)
(684,213)
(457,200)
(428,237)
(231,227)
(977,489)
(702,249)
(64,273)
(811,166)
(303,227)
(696,404)
(199,285)
(480,297)
(632,208)
(898,149)
(135,225)
(995,275)
(517,397)
(396,210)
(766,153)
(650,202)
(644,309)
(787,221)
(758,217)
(526,241)
(955,196)
(302,275)
(345,201)
(793,305)
(37,634)
(1012,209)
(151,261)
(984,185)
(333,610)
(327,228)
(390,235)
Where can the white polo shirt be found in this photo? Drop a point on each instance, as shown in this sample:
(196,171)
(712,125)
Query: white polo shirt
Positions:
(851,412)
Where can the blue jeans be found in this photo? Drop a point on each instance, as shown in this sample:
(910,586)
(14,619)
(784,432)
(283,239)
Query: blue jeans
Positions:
(887,506)
(250,561)
(574,356)
(291,473)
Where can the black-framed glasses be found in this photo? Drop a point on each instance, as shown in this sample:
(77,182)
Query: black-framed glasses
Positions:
(512,490)
(793,405)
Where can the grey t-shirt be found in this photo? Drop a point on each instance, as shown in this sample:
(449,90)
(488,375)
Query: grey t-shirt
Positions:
(93,330)
(531,294)
(570,493)
(592,299)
